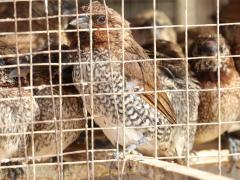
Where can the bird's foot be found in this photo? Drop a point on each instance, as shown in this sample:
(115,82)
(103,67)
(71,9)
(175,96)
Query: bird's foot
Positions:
(234,147)
(130,150)
(121,157)
(14,172)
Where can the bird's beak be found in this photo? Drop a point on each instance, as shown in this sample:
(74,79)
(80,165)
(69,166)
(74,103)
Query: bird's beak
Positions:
(24,71)
(82,22)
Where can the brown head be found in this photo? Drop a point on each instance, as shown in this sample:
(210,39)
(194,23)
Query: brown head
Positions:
(207,46)
(101,17)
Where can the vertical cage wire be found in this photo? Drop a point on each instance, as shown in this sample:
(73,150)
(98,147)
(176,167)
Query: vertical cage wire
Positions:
(51,87)
(90,152)
(219,95)
(32,95)
(187,76)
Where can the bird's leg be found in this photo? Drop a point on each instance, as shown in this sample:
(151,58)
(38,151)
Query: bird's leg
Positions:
(234,147)
(14,173)
(131,149)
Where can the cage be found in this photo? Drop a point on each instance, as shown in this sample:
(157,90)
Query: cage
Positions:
(119,89)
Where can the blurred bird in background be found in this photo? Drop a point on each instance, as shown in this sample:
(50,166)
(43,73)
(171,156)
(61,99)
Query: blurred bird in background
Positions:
(43,18)
(18,111)
(206,71)
(48,143)
(146,18)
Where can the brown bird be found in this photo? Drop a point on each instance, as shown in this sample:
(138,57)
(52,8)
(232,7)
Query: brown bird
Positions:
(146,18)
(175,70)
(138,109)
(206,70)
(39,23)
(18,111)
(47,143)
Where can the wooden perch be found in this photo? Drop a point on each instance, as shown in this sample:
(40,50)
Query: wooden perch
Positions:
(209,157)
(133,165)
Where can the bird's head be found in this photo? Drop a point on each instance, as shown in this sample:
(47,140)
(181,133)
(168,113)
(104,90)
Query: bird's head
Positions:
(10,75)
(5,80)
(21,73)
(205,49)
(105,23)
(43,70)
(40,75)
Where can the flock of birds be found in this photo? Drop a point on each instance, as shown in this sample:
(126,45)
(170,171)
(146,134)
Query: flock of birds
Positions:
(116,89)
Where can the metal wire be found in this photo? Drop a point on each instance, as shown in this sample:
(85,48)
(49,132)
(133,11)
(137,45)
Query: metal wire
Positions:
(187,75)
(32,94)
(59,131)
(50,82)
(219,94)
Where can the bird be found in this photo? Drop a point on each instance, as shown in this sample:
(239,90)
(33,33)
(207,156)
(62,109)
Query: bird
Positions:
(146,18)
(18,111)
(47,143)
(107,78)
(206,72)
(39,40)
(175,70)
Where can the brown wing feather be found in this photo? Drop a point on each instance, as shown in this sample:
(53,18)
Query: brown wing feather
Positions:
(143,73)
(163,105)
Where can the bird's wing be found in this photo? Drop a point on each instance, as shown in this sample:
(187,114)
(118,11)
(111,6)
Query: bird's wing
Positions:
(143,72)
(163,105)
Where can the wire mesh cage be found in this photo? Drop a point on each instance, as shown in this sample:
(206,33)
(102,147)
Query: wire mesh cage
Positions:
(103,89)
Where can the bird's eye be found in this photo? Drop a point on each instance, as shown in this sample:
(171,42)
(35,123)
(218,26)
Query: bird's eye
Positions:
(101,20)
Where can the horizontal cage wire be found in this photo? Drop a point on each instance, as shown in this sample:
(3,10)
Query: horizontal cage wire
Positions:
(117,89)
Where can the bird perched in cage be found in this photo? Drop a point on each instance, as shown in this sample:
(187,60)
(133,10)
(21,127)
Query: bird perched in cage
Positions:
(68,115)
(146,18)
(44,17)
(55,115)
(18,111)
(175,70)
(206,71)
(109,106)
